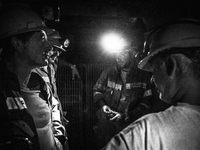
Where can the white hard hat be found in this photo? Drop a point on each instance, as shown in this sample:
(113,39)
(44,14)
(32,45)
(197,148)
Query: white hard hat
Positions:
(17,19)
(182,34)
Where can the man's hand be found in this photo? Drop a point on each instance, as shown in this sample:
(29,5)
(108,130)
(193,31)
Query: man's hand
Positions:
(116,116)
(110,114)
(75,72)
(106,109)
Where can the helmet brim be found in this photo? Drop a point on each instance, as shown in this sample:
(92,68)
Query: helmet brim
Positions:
(184,43)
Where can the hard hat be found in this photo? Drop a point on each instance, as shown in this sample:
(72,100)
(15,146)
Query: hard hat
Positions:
(181,34)
(128,46)
(17,19)
(54,38)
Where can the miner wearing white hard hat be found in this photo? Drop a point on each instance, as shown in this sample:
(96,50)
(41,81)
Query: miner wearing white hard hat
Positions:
(174,59)
(42,80)
(45,81)
(24,45)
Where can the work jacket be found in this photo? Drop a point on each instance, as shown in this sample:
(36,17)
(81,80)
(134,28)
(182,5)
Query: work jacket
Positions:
(17,128)
(131,97)
(43,104)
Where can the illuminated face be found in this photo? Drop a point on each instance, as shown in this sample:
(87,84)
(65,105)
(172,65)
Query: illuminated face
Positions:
(36,49)
(124,59)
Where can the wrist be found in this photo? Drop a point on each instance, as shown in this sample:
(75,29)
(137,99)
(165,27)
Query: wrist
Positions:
(101,102)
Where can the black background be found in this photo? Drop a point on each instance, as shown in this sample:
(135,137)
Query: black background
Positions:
(83,21)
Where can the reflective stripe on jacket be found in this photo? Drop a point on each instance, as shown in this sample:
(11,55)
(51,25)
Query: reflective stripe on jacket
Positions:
(118,95)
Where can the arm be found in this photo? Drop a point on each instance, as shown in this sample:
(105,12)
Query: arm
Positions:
(99,90)
(58,128)
(44,108)
(58,119)
(39,109)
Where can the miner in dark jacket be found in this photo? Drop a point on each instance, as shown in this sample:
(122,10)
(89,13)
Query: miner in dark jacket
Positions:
(123,93)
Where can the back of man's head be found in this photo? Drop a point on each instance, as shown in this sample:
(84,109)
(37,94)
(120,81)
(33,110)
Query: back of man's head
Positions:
(174,37)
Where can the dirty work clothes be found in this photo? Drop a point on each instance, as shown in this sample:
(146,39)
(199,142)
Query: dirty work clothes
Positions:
(44,107)
(177,128)
(17,128)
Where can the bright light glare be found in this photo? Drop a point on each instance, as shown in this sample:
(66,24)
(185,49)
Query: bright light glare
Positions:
(112,42)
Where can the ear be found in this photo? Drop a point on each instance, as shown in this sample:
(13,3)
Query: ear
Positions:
(171,66)
(17,44)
